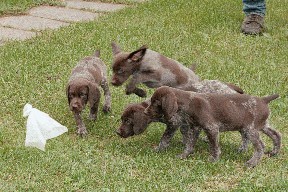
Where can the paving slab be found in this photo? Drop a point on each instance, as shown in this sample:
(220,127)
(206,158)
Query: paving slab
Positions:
(2,42)
(95,6)
(27,22)
(62,14)
(14,34)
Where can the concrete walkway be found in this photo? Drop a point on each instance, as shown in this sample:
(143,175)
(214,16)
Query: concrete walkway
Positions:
(51,17)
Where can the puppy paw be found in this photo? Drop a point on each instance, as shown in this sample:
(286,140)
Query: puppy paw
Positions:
(182,156)
(82,131)
(106,109)
(242,149)
(92,117)
(271,153)
(213,159)
(140,93)
(250,164)
(159,148)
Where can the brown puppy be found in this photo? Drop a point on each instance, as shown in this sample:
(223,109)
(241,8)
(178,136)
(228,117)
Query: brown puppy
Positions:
(135,122)
(150,68)
(155,70)
(216,113)
(83,87)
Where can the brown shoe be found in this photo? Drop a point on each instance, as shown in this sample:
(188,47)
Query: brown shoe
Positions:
(253,24)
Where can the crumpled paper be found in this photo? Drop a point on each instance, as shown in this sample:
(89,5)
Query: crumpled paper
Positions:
(40,127)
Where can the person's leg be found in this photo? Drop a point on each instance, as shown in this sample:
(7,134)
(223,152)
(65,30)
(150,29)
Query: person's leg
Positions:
(254,7)
(255,11)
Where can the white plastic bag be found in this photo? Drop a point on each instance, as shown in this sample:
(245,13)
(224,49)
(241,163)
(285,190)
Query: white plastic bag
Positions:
(40,127)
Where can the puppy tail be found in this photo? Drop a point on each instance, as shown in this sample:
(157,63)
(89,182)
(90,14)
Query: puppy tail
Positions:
(269,98)
(235,88)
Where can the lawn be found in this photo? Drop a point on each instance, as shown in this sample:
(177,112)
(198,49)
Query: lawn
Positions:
(8,7)
(203,32)
(13,7)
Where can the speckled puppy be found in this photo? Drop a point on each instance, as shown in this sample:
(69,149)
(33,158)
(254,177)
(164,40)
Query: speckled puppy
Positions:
(150,68)
(216,113)
(83,87)
(135,122)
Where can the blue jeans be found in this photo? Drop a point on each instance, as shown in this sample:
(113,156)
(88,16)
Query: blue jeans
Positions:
(254,7)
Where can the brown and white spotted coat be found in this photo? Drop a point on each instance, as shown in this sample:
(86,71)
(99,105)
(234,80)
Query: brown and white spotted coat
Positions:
(83,87)
(135,122)
(150,68)
(216,113)
(155,70)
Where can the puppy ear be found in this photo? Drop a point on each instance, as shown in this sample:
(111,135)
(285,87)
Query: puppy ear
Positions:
(93,93)
(97,53)
(169,105)
(67,93)
(115,48)
(138,54)
(141,122)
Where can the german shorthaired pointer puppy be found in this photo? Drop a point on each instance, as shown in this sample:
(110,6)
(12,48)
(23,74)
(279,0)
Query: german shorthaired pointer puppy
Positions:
(83,87)
(216,113)
(150,68)
(135,122)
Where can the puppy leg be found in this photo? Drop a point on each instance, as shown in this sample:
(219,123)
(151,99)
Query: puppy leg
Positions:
(276,138)
(254,137)
(245,142)
(190,136)
(212,132)
(131,87)
(94,109)
(81,129)
(94,104)
(166,137)
(94,99)
(107,95)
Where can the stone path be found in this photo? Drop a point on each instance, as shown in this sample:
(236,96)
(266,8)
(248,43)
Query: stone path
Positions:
(51,17)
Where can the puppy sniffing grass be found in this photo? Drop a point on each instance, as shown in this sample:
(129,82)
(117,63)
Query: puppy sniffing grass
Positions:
(83,87)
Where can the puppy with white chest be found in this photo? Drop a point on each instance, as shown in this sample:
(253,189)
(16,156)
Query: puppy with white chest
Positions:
(83,87)
(216,113)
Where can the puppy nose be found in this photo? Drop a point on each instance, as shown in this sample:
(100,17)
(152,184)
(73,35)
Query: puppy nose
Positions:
(75,105)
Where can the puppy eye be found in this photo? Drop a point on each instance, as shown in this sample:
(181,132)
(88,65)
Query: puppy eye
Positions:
(71,96)
(127,121)
(120,71)
(82,94)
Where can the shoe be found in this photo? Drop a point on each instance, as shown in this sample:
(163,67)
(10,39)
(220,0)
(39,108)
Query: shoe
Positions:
(253,24)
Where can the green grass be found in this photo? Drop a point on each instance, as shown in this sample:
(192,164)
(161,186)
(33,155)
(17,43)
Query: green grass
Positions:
(15,7)
(8,7)
(205,32)
(115,1)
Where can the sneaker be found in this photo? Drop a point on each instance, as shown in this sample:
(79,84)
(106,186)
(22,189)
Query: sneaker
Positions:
(253,24)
